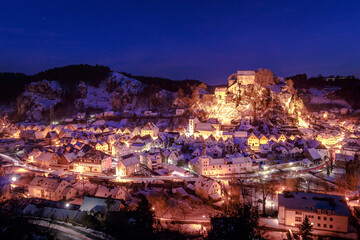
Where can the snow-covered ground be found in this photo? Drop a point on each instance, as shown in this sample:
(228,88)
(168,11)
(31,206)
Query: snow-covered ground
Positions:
(322,96)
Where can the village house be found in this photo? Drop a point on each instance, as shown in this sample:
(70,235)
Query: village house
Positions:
(281,138)
(210,141)
(138,147)
(158,143)
(52,138)
(136,132)
(120,149)
(128,165)
(150,129)
(94,161)
(229,146)
(67,158)
(102,146)
(156,159)
(33,154)
(306,163)
(51,189)
(46,159)
(196,153)
(214,152)
(114,192)
(253,141)
(175,156)
(207,188)
(313,155)
(325,212)
(27,135)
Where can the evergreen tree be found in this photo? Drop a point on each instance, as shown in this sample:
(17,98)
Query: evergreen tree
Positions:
(240,221)
(352,169)
(145,218)
(305,229)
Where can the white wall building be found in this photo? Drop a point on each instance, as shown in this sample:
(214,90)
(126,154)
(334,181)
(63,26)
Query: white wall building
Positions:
(325,212)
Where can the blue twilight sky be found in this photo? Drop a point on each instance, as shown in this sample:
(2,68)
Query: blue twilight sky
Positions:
(204,40)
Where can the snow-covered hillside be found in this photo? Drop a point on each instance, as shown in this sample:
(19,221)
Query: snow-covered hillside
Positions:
(116,93)
(323,97)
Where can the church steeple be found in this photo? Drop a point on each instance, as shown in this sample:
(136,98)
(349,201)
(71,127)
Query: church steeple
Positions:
(191,125)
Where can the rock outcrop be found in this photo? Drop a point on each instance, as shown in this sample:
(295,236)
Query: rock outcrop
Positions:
(82,90)
(37,100)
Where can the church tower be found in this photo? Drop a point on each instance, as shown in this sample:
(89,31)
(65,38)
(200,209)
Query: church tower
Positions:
(191,125)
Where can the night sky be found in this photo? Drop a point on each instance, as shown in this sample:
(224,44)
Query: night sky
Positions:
(204,40)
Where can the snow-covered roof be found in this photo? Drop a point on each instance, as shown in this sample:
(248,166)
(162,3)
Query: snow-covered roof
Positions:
(313,153)
(48,183)
(130,160)
(310,202)
(306,161)
(105,192)
(90,202)
(45,156)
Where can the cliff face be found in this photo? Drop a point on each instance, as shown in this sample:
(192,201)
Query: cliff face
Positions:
(264,99)
(46,100)
(267,98)
(35,102)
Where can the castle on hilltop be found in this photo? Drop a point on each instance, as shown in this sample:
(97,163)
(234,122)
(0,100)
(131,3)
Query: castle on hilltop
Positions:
(235,81)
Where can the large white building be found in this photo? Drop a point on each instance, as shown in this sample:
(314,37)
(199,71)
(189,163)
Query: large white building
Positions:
(325,212)
(208,166)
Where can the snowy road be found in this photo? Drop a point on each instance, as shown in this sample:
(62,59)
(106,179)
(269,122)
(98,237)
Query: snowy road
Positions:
(68,231)
(19,163)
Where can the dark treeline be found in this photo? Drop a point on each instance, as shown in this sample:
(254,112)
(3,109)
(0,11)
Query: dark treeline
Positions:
(12,84)
(167,84)
(349,86)
(69,77)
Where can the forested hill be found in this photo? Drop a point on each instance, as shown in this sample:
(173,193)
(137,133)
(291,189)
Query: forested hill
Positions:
(345,88)
(165,83)
(69,77)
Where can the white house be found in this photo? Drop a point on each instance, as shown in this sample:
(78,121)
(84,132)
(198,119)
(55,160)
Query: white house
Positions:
(51,189)
(325,212)
(207,188)
(128,165)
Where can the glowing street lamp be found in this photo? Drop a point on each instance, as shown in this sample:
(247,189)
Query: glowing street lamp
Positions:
(67,205)
(13,179)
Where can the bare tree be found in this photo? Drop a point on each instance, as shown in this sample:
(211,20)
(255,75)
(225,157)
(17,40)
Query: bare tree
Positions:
(267,189)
